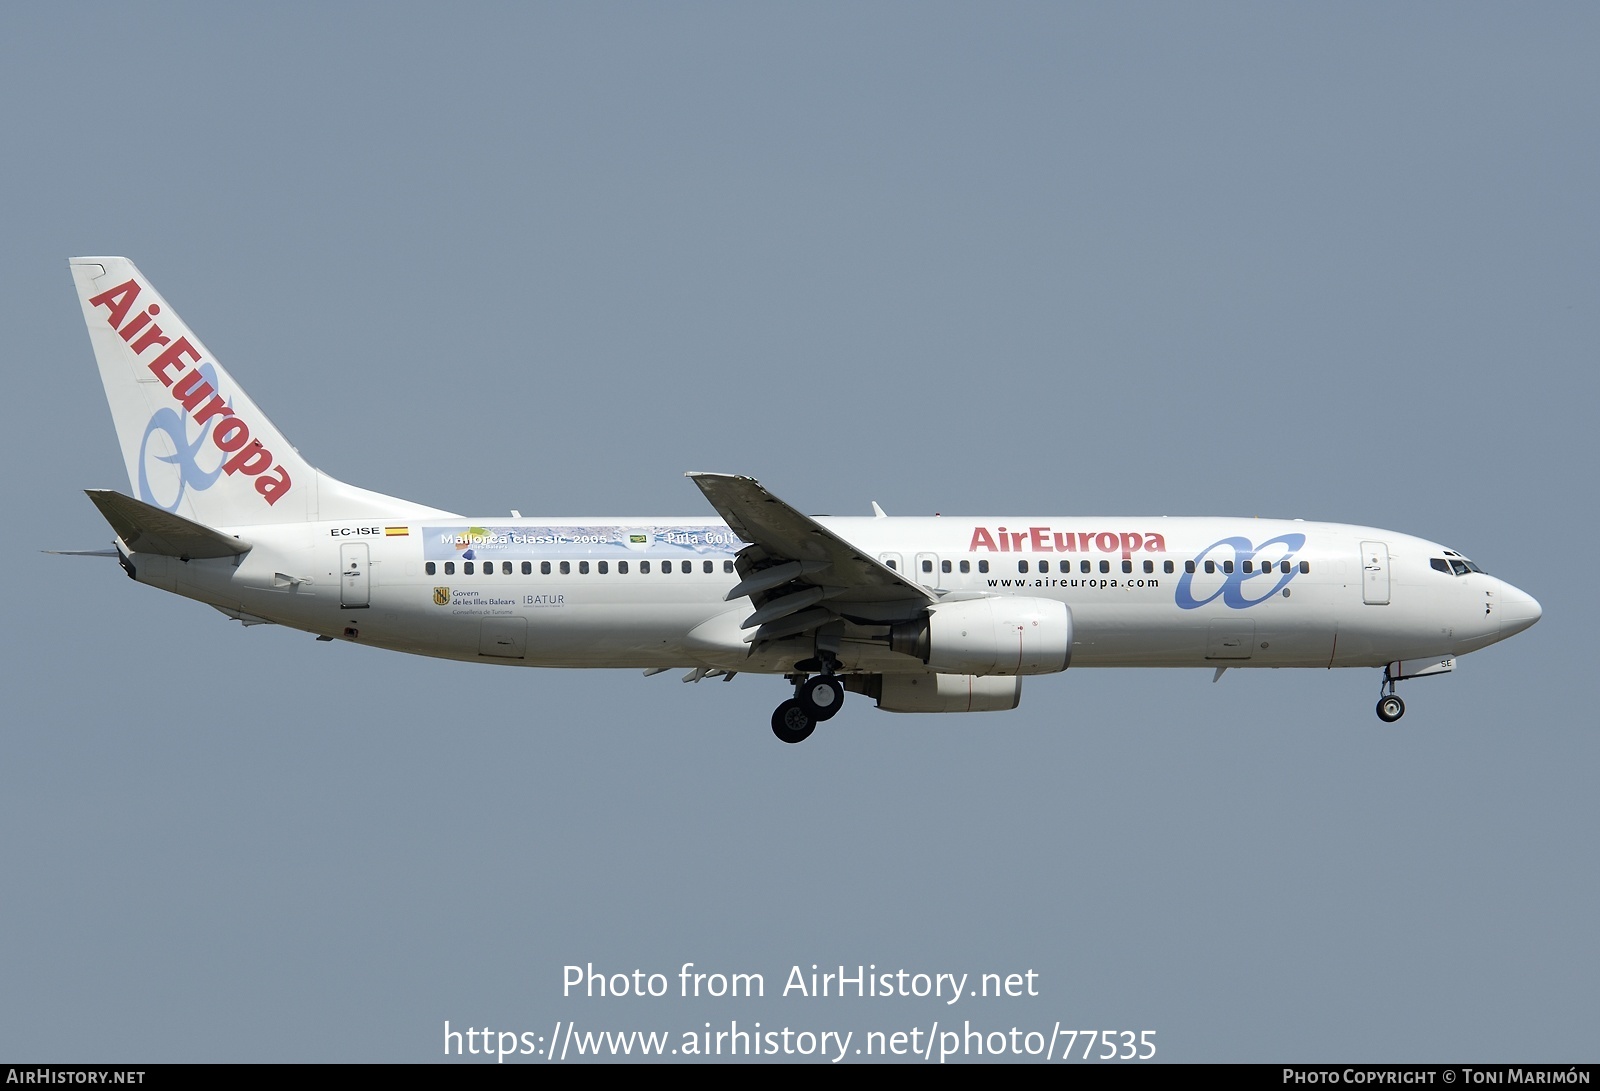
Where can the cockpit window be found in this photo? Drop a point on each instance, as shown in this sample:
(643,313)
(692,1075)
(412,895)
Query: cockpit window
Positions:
(1453,563)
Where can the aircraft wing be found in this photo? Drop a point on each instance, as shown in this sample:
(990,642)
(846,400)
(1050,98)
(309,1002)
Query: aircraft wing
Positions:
(799,573)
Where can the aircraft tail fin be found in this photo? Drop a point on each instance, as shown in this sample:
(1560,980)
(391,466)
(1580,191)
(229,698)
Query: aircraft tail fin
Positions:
(194,443)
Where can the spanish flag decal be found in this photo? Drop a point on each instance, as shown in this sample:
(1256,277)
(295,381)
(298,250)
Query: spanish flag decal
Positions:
(396,532)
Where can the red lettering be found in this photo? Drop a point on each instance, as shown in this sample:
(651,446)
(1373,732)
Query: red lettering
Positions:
(213,408)
(252,460)
(231,433)
(117,301)
(273,487)
(173,357)
(191,390)
(1045,540)
(139,321)
(152,337)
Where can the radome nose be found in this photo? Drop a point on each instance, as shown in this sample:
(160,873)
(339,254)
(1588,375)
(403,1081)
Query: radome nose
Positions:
(1518,611)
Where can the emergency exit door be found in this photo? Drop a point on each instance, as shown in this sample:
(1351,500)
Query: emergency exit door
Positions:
(355,578)
(1375,573)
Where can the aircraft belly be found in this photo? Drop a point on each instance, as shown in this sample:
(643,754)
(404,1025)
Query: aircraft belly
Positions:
(1161,636)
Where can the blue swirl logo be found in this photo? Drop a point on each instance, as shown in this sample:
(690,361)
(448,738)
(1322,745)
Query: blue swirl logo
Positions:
(1238,588)
(185,452)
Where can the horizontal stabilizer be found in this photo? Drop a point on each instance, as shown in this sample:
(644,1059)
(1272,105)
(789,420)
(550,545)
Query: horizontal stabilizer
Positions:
(145,528)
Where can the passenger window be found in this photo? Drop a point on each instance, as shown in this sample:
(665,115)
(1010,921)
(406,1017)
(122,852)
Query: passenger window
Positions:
(566,568)
(966,566)
(891,564)
(1305,566)
(505,568)
(583,568)
(944,566)
(983,566)
(1250,566)
(1211,566)
(644,566)
(1085,567)
(527,568)
(927,566)
(467,567)
(544,568)
(622,567)
(1285,568)
(727,566)
(1127,566)
(1149,566)
(1105,566)
(449,568)
(1022,566)
(430,567)
(708,568)
(1166,566)
(602,567)
(1227,566)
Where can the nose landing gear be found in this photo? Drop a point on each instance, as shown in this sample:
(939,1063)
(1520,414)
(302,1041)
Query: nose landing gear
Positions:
(1390,706)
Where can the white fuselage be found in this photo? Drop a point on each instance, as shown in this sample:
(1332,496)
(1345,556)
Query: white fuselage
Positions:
(565,593)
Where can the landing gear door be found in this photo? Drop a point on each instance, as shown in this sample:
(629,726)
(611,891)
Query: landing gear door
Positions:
(354,576)
(1375,573)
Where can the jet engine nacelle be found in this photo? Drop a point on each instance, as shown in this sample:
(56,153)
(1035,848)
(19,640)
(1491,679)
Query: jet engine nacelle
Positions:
(1005,636)
(930,692)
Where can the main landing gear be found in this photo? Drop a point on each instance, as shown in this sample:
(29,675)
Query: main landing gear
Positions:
(1390,706)
(815,699)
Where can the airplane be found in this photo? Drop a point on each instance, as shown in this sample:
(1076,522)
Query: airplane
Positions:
(919,614)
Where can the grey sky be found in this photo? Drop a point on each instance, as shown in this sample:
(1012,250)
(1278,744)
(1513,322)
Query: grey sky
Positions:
(1336,262)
